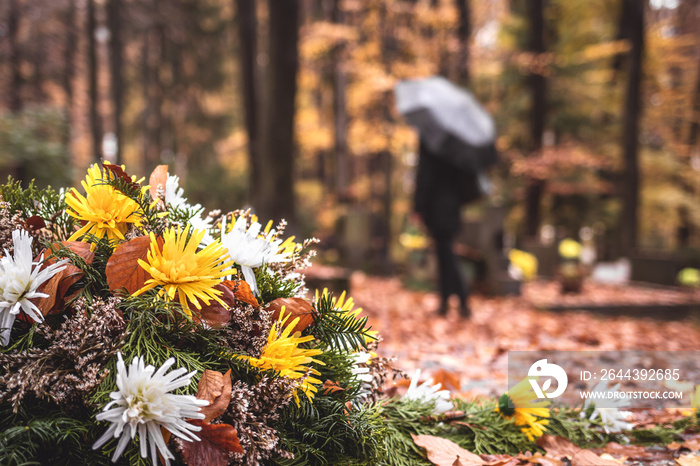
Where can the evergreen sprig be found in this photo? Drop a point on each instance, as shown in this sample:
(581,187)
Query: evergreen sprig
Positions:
(326,432)
(40,433)
(336,329)
(46,203)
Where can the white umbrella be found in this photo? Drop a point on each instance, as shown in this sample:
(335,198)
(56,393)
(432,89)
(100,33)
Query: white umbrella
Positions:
(451,122)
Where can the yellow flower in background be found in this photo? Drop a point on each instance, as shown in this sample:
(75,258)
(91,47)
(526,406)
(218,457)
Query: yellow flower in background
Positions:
(413,241)
(524,263)
(282,354)
(105,211)
(689,276)
(695,399)
(570,249)
(180,268)
(518,404)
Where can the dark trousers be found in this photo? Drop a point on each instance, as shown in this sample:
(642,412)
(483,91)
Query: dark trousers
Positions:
(450,273)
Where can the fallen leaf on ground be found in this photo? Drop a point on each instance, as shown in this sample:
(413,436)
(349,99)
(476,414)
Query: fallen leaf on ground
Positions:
(628,451)
(560,447)
(444,452)
(688,460)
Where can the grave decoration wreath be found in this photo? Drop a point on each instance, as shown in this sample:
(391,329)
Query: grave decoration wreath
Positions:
(136,329)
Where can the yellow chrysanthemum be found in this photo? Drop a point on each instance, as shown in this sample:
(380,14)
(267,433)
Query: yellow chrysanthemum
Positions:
(180,267)
(570,249)
(282,354)
(104,210)
(518,404)
(525,262)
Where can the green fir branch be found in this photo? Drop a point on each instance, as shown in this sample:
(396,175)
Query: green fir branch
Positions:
(336,329)
(47,203)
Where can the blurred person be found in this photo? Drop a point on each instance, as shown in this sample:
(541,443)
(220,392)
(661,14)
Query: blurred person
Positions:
(441,190)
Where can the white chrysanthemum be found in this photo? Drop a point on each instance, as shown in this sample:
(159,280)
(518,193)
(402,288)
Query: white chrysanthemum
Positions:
(249,249)
(143,405)
(612,418)
(20,278)
(174,197)
(427,392)
(361,373)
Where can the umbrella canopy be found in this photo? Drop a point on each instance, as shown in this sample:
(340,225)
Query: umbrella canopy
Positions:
(451,122)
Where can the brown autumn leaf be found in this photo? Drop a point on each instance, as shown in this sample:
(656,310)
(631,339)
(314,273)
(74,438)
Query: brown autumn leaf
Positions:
(540,460)
(123,270)
(688,460)
(35,222)
(242,291)
(297,307)
(57,286)
(500,460)
(448,380)
(629,451)
(214,313)
(331,387)
(692,444)
(559,447)
(158,178)
(443,452)
(119,172)
(214,387)
(216,441)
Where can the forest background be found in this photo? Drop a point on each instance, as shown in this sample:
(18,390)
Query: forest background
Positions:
(288,107)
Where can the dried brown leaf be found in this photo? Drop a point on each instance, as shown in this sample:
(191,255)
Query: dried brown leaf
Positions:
(214,387)
(331,387)
(215,314)
(242,291)
(158,178)
(297,307)
(216,441)
(119,172)
(123,270)
(57,286)
(688,460)
(35,222)
(443,452)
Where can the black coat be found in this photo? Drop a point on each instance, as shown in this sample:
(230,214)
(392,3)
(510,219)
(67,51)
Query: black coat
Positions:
(441,190)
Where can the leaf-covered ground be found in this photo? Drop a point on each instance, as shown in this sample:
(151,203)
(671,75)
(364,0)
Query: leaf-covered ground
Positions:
(476,349)
(470,356)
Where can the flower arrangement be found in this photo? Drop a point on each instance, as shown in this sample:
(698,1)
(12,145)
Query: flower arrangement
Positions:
(135,329)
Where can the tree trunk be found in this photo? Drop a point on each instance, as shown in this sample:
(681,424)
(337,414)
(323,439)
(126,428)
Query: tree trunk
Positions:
(276,196)
(69,54)
(538,110)
(695,113)
(247,35)
(463,35)
(114,20)
(630,133)
(340,115)
(95,123)
(15,101)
